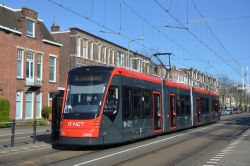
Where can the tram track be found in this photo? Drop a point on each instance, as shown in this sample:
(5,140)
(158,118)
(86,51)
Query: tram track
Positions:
(183,156)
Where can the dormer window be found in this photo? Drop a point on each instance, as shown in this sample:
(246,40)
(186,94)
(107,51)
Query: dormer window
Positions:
(30,28)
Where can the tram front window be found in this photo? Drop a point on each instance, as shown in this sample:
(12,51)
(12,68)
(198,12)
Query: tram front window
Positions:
(85,93)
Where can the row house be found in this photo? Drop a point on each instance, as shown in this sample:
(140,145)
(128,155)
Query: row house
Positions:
(29,62)
(81,48)
(193,78)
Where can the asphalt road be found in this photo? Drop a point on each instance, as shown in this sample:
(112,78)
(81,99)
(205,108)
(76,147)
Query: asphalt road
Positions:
(189,147)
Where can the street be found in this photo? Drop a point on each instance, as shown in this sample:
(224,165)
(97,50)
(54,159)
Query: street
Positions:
(213,144)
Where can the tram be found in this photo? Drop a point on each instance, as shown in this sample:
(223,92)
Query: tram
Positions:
(108,105)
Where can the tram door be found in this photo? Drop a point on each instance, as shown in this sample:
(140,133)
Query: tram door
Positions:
(172,108)
(198,110)
(157,111)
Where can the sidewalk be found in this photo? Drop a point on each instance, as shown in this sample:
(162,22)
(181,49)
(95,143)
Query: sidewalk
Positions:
(235,154)
(28,130)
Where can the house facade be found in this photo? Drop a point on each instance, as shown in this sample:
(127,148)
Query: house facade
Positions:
(81,48)
(29,61)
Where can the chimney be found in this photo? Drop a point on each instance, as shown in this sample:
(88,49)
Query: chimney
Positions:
(54,27)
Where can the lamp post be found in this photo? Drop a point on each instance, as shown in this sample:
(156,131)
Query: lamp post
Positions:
(130,41)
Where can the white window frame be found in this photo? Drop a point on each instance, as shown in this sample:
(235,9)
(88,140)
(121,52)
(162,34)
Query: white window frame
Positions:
(85,48)
(32,106)
(108,56)
(21,94)
(29,79)
(105,55)
(33,28)
(49,99)
(91,50)
(78,46)
(53,56)
(113,58)
(22,61)
(99,52)
(41,101)
(40,79)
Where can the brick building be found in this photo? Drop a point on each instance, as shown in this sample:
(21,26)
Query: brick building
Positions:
(29,62)
(81,48)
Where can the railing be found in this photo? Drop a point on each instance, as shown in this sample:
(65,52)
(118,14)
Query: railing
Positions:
(13,127)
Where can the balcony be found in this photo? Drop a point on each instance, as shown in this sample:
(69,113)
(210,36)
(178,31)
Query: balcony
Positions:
(33,84)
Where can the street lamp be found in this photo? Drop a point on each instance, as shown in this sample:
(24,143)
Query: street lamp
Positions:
(140,38)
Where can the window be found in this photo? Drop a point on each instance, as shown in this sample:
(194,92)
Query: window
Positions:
(30,25)
(136,103)
(120,57)
(91,50)
(108,56)
(105,55)
(78,46)
(50,99)
(29,105)
(29,67)
(19,104)
(52,69)
(19,63)
(127,102)
(204,105)
(85,49)
(147,103)
(99,53)
(39,67)
(38,104)
(112,103)
(183,105)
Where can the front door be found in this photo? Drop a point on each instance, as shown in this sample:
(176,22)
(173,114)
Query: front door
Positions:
(157,119)
(172,108)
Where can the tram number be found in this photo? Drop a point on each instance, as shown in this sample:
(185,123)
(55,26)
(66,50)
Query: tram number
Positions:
(127,124)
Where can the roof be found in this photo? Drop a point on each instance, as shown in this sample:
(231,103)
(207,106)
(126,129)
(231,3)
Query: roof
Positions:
(9,22)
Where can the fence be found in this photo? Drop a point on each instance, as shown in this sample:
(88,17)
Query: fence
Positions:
(13,126)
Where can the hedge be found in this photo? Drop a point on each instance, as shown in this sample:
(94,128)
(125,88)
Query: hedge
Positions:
(4,111)
(46,111)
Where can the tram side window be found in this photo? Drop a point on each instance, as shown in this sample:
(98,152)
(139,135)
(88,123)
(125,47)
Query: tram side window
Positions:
(147,104)
(215,105)
(136,103)
(112,101)
(187,105)
(204,105)
(180,108)
(127,102)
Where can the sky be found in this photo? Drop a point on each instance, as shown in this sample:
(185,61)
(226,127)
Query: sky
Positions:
(209,35)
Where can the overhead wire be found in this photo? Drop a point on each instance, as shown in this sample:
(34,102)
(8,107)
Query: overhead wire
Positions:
(197,38)
(215,36)
(99,24)
(163,34)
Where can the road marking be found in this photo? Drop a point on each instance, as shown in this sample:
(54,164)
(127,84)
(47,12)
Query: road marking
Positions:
(207,165)
(214,159)
(219,155)
(212,162)
(141,146)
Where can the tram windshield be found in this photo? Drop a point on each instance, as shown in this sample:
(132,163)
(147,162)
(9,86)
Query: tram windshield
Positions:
(85,91)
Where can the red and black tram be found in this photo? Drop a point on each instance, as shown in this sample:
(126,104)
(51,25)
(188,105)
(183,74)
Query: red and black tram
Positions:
(107,105)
